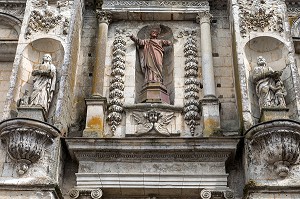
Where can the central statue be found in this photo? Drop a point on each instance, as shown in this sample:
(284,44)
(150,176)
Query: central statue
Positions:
(151,57)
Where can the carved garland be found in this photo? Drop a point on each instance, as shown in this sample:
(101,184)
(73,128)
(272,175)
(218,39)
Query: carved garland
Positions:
(116,89)
(259,16)
(191,105)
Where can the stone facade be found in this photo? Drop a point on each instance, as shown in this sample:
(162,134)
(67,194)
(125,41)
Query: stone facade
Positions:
(229,127)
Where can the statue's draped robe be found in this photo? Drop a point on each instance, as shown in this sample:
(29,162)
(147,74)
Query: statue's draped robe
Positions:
(151,58)
(44,79)
(264,86)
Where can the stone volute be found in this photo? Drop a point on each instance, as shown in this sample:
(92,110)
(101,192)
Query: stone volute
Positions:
(273,144)
(26,140)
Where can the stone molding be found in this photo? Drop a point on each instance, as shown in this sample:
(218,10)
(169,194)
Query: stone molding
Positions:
(259,16)
(192,84)
(116,88)
(165,149)
(212,182)
(104,16)
(274,143)
(160,3)
(26,139)
(87,193)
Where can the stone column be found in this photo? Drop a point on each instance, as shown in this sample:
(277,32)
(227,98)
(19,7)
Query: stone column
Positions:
(96,104)
(98,74)
(210,104)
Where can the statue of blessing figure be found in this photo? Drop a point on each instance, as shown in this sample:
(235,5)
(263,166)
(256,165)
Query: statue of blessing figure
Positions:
(44,79)
(151,58)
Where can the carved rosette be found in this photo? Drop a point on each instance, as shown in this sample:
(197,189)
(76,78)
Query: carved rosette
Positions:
(116,89)
(92,193)
(26,139)
(205,194)
(275,143)
(259,16)
(191,104)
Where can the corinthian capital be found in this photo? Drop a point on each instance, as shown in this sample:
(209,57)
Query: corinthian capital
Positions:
(103,16)
(204,17)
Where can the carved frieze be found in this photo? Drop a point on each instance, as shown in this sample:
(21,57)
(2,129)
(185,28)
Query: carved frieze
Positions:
(25,140)
(191,97)
(155,3)
(274,144)
(116,89)
(152,120)
(260,16)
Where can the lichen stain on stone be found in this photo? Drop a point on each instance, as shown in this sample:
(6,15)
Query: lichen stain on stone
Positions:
(211,126)
(95,123)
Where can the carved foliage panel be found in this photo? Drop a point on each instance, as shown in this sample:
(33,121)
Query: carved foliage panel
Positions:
(261,16)
(44,18)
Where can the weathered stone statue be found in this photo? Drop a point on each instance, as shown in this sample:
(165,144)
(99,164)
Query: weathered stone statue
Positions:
(151,58)
(269,87)
(44,79)
(25,100)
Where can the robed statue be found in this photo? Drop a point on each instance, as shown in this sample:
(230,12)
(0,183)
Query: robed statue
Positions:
(44,79)
(269,86)
(151,56)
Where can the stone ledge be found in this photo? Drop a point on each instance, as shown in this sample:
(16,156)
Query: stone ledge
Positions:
(143,149)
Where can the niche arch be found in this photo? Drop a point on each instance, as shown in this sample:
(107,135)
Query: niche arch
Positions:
(276,54)
(32,55)
(168,60)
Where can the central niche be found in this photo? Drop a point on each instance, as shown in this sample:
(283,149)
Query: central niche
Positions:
(164,33)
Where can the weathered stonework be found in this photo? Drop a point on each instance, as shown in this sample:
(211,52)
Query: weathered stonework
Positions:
(211,131)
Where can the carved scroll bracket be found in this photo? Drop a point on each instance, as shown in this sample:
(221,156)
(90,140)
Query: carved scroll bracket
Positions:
(26,139)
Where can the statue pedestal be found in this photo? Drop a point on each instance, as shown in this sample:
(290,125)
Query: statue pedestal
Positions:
(94,126)
(32,112)
(154,93)
(273,113)
(211,116)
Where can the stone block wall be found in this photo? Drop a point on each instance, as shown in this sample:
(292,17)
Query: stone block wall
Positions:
(5,72)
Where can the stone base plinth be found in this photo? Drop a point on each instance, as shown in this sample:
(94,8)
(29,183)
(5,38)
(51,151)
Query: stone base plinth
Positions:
(154,93)
(32,112)
(211,116)
(94,126)
(268,114)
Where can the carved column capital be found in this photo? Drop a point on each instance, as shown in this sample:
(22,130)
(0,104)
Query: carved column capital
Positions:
(92,193)
(203,17)
(205,194)
(104,16)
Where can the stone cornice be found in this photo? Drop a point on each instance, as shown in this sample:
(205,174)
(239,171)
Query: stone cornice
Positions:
(164,149)
(151,10)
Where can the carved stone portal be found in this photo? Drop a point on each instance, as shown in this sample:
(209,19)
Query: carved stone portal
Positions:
(273,144)
(25,140)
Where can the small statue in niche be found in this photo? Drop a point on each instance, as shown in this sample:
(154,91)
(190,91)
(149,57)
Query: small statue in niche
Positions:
(44,79)
(269,87)
(25,100)
(151,58)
